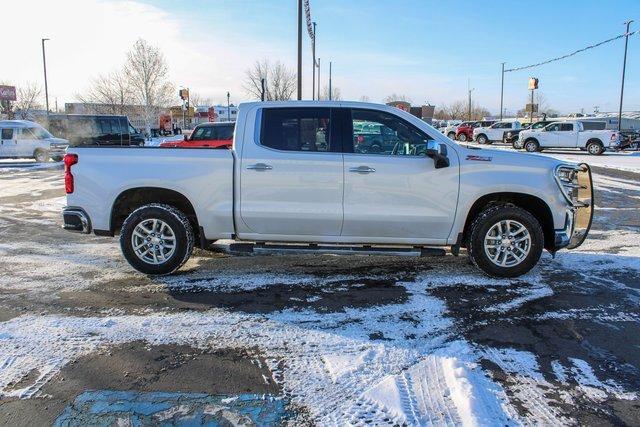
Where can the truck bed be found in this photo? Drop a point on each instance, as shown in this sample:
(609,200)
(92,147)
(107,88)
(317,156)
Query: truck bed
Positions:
(203,176)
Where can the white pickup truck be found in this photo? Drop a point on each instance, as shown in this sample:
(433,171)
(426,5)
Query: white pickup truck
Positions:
(495,132)
(295,180)
(570,134)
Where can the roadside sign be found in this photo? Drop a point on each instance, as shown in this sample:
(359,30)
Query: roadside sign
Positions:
(7,93)
(531,108)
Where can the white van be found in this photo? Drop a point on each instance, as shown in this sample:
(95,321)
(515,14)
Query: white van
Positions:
(22,138)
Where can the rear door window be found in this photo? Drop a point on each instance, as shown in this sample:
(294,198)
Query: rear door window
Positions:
(223,132)
(297,129)
(7,133)
(566,127)
(105,126)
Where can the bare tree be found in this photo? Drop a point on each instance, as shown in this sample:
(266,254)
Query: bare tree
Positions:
(454,111)
(335,93)
(365,98)
(111,92)
(280,81)
(28,98)
(197,100)
(395,97)
(146,74)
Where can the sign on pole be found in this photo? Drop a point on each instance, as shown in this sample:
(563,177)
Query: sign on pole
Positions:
(7,93)
(533,83)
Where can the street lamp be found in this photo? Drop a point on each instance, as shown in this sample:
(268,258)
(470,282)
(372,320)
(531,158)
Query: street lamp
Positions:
(46,89)
(228,108)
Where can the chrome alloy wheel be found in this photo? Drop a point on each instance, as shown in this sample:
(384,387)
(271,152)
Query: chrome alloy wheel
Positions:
(507,243)
(153,241)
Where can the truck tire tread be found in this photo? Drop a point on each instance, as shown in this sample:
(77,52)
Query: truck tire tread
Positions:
(487,218)
(184,247)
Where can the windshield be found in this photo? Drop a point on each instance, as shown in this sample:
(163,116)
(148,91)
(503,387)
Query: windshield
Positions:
(40,133)
(538,125)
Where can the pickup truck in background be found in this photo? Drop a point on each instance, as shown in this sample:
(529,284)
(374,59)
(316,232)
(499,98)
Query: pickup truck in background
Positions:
(294,182)
(511,137)
(494,133)
(571,134)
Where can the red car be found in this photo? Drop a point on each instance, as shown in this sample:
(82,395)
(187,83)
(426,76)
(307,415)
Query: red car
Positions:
(464,132)
(213,135)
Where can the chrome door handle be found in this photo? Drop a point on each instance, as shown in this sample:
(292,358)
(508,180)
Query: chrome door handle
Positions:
(362,169)
(260,167)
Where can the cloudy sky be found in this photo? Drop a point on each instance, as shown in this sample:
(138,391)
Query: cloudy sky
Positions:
(425,49)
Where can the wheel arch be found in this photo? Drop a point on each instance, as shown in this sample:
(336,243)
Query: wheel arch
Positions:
(533,204)
(594,140)
(132,198)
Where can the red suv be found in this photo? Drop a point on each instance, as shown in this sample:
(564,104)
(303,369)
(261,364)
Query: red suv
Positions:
(464,132)
(214,135)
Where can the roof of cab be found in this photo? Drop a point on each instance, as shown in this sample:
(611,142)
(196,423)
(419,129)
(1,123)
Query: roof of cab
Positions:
(18,124)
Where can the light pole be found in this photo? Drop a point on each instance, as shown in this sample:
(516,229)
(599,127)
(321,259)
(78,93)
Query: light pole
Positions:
(46,88)
(502,91)
(470,90)
(299,50)
(330,94)
(624,66)
(228,108)
(313,50)
(318,79)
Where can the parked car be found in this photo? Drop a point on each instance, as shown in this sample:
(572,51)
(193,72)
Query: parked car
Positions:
(570,134)
(495,132)
(511,136)
(23,138)
(450,130)
(369,137)
(213,135)
(93,130)
(281,187)
(464,132)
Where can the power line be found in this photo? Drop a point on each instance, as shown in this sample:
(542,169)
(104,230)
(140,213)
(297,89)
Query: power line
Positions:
(572,53)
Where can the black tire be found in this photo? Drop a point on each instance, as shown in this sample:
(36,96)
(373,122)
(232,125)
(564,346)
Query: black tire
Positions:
(376,147)
(482,139)
(40,156)
(595,148)
(531,145)
(462,137)
(179,223)
(451,135)
(487,219)
(517,144)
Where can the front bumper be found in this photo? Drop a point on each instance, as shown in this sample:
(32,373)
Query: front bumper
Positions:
(57,152)
(76,219)
(580,215)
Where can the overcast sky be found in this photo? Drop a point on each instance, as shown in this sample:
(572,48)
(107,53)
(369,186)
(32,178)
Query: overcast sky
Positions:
(425,49)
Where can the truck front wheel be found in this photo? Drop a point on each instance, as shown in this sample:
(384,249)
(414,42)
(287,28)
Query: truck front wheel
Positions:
(462,137)
(156,239)
(482,139)
(505,241)
(531,146)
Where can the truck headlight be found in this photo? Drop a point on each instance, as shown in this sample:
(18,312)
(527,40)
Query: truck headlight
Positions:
(567,178)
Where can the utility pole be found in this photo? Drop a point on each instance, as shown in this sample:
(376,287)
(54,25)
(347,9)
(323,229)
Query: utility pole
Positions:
(470,90)
(624,67)
(313,50)
(262,89)
(502,91)
(330,94)
(228,108)
(318,79)
(46,88)
(299,50)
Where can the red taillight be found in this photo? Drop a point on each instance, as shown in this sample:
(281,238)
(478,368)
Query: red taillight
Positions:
(614,136)
(359,139)
(69,160)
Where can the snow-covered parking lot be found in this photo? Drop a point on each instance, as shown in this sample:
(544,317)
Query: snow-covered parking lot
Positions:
(316,339)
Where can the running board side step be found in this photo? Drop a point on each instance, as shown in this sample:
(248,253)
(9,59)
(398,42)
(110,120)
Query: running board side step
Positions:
(282,249)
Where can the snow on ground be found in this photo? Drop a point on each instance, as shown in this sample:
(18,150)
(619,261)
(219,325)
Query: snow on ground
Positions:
(401,362)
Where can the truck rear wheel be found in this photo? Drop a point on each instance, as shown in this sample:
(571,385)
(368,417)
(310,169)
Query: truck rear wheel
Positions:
(156,239)
(505,241)
(595,148)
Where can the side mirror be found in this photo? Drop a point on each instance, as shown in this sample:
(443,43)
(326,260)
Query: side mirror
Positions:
(440,160)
